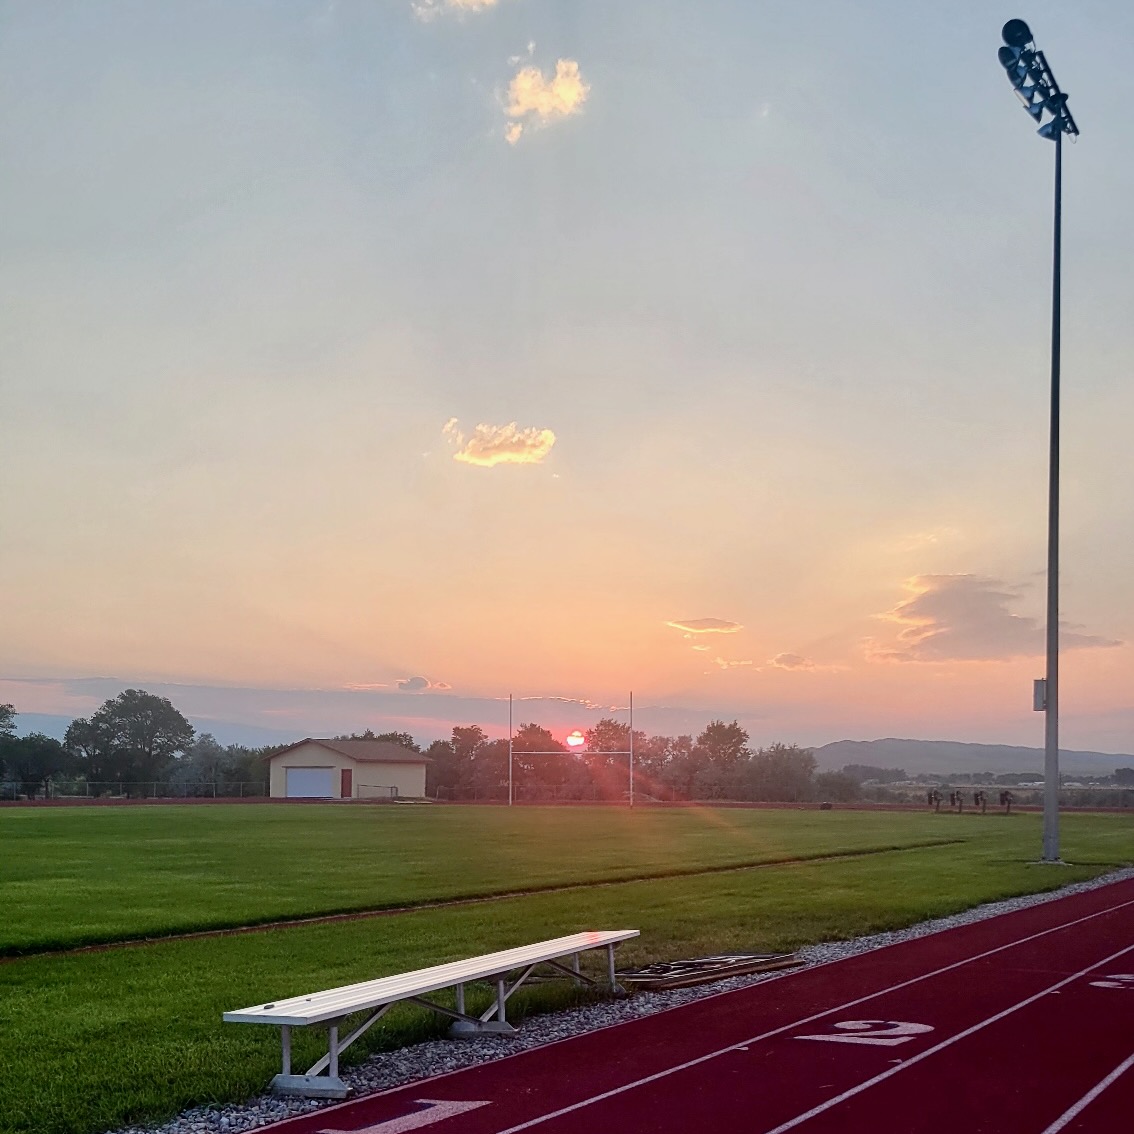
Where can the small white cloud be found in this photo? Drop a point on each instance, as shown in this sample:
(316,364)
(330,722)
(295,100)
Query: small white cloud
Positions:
(363,687)
(499,444)
(426,10)
(723,663)
(536,99)
(705,625)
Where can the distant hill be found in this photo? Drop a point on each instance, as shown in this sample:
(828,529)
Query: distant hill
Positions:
(918,756)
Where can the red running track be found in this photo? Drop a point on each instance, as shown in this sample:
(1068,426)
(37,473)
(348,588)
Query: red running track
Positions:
(1020,1023)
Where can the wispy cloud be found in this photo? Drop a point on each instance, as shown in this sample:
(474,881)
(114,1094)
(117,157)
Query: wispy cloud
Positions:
(967,618)
(426,10)
(724,663)
(499,444)
(535,99)
(790,661)
(705,625)
(420,685)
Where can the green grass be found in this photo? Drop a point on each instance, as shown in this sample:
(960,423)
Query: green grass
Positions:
(92,1041)
(78,876)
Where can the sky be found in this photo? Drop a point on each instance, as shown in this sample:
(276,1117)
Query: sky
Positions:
(365,362)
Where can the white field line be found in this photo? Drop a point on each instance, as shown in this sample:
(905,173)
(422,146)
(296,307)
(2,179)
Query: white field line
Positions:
(914,1060)
(1089,1097)
(658,1075)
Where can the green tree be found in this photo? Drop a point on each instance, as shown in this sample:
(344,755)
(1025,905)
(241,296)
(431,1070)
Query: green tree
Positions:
(34,759)
(402,738)
(92,744)
(723,746)
(442,776)
(7,720)
(133,736)
(781,772)
(837,787)
(467,742)
(544,776)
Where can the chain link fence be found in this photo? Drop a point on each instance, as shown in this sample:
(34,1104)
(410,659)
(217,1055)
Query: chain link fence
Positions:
(151,789)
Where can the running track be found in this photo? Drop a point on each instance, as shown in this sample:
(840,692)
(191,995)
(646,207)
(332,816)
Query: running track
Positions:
(995,1026)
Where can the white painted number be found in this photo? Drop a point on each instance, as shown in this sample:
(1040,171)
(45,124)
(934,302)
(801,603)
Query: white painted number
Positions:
(1115,980)
(434,1112)
(880,1033)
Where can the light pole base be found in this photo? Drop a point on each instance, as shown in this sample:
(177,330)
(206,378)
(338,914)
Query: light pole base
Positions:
(1049,862)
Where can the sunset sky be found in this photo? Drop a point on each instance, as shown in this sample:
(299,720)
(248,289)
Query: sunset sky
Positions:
(365,361)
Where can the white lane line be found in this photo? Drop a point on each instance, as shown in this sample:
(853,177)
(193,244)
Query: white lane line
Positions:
(915,1059)
(1089,1097)
(805,1020)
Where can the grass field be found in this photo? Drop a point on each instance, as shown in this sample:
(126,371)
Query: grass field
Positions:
(91,1041)
(78,876)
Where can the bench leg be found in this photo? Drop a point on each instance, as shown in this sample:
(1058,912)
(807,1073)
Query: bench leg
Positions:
(285,1044)
(615,987)
(500,1001)
(461,999)
(575,967)
(333,1047)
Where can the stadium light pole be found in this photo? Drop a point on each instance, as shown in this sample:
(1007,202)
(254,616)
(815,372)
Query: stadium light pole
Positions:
(1034,83)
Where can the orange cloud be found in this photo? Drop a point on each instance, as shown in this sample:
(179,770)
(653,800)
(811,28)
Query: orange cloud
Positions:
(536,99)
(790,661)
(499,444)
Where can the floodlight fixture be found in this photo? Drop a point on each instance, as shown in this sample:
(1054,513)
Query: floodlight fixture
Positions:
(1035,85)
(1031,77)
(1016,33)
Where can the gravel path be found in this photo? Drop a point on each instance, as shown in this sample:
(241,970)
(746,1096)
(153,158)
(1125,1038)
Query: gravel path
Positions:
(391,1069)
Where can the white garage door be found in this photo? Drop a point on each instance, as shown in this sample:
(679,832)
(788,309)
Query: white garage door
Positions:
(308,783)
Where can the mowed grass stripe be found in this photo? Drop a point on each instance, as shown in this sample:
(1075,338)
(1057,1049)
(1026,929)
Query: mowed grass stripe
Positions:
(94,1041)
(80,876)
(268,926)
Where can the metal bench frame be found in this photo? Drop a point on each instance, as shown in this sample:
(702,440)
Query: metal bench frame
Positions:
(334,1005)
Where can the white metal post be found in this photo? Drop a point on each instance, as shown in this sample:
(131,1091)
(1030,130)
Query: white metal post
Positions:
(509,749)
(631,749)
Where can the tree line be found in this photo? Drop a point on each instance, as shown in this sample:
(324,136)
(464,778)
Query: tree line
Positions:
(131,743)
(718,764)
(137,740)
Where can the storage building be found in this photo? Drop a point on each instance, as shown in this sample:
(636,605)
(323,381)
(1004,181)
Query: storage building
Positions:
(347,769)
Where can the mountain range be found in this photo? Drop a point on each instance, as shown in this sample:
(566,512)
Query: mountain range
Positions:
(918,756)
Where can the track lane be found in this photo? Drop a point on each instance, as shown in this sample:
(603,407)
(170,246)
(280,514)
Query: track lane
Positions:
(699,1049)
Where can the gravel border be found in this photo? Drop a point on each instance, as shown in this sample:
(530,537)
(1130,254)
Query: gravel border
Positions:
(437,1057)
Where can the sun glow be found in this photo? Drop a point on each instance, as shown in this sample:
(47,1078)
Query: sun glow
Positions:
(576,739)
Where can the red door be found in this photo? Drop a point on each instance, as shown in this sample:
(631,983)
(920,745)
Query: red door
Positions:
(348,784)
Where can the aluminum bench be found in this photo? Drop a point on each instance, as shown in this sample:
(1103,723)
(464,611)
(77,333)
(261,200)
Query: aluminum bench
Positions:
(332,1006)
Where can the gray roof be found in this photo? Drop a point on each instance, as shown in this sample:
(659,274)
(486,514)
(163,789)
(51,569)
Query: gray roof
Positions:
(365,751)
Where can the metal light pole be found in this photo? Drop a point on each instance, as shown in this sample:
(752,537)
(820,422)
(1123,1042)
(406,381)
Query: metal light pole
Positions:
(1034,83)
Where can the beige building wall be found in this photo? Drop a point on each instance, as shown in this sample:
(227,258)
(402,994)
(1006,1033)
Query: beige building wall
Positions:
(409,779)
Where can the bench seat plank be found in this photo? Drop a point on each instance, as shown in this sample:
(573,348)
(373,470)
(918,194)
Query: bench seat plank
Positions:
(335,1003)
